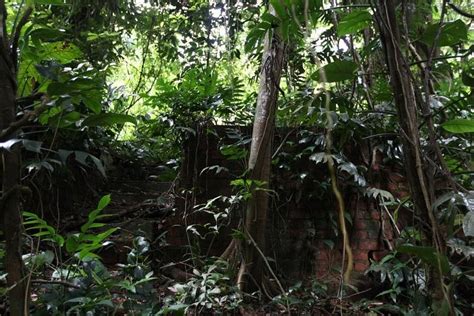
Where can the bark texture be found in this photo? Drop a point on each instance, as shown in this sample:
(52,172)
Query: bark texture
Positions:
(11,162)
(418,170)
(259,164)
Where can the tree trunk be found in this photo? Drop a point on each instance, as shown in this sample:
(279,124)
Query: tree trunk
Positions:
(11,163)
(259,165)
(417,169)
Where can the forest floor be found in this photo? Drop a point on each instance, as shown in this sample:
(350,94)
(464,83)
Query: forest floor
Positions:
(143,206)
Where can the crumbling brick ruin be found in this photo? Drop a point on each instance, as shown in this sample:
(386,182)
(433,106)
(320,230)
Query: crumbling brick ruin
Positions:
(302,229)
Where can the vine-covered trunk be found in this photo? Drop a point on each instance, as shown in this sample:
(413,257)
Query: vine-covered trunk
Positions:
(259,164)
(417,169)
(11,162)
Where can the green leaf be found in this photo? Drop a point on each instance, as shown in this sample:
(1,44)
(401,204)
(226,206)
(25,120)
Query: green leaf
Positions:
(451,33)
(72,243)
(427,254)
(107,119)
(270,19)
(338,70)
(82,157)
(279,8)
(319,157)
(93,100)
(104,201)
(468,224)
(354,22)
(255,36)
(32,145)
(99,165)
(459,126)
(69,119)
(97,225)
(46,34)
(467,77)
(7,145)
(61,51)
(83,89)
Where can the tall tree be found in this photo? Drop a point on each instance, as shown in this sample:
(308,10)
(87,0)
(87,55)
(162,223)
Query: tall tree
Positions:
(417,169)
(11,164)
(259,164)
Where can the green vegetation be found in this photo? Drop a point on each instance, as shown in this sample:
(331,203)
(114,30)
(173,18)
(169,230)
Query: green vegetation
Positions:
(324,103)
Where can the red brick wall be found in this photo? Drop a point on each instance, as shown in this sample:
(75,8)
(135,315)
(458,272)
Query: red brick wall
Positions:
(302,230)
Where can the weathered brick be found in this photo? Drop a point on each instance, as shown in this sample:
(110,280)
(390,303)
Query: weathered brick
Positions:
(388,231)
(362,214)
(354,243)
(360,234)
(368,244)
(361,266)
(322,255)
(360,225)
(373,233)
(375,215)
(299,213)
(361,255)
(302,214)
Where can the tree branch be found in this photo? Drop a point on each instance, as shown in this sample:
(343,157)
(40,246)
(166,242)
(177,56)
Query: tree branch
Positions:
(16,35)
(27,118)
(63,283)
(28,100)
(459,11)
(3,24)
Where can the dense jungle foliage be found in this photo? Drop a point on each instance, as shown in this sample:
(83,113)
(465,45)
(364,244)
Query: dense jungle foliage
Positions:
(107,109)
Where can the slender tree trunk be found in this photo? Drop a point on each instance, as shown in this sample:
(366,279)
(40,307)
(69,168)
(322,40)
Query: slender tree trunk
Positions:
(421,185)
(260,159)
(11,162)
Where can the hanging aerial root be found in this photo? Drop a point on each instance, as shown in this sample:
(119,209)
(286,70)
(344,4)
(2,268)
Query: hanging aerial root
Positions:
(342,221)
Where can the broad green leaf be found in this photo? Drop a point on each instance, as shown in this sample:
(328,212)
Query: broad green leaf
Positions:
(354,22)
(107,119)
(467,77)
(93,100)
(82,157)
(255,36)
(427,254)
(459,126)
(7,145)
(49,71)
(451,33)
(99,165)
(319,157)
(46,34)
(279,8)
(69,119)
(72,242)
(41,259)
(104,201)
(339,70)
(468,224)
(61,51)
(375,193)
(83,89)
(270,19)
(107,303)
